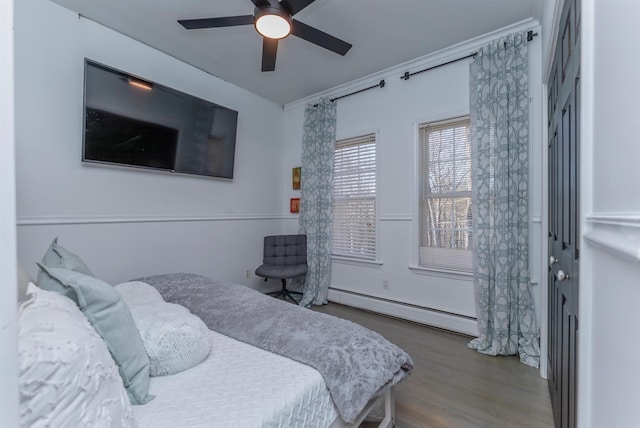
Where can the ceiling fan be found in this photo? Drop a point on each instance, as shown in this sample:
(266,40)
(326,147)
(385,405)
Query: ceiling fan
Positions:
(274,21)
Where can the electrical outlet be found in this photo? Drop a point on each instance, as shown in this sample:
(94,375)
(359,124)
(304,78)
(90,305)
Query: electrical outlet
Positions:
(247,273)
(385,283)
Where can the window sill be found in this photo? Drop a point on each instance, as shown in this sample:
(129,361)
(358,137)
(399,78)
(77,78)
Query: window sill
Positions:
(356,262)
(420,270)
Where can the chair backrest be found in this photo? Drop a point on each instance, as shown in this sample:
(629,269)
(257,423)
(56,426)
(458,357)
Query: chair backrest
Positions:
(285,250)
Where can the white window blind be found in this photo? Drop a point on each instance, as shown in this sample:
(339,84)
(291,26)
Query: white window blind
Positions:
(354,198)
(445,196)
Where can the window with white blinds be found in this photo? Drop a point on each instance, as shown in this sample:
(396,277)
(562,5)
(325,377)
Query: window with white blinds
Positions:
(445,195)
(354,198)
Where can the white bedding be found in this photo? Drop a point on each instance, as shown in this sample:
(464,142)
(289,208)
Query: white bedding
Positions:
(239,385)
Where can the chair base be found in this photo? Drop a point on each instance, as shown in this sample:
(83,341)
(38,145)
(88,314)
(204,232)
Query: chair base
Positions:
(284,292)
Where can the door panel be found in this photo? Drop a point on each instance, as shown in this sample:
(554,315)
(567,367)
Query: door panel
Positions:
(564,230)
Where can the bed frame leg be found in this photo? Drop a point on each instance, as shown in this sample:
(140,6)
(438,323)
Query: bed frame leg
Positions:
(389,420)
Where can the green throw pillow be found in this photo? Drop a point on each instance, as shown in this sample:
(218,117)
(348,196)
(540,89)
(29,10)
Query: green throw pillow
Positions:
(59,257)
(110,317)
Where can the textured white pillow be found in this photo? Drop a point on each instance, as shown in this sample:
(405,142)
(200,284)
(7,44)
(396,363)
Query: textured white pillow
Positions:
(174,338)
(67,377)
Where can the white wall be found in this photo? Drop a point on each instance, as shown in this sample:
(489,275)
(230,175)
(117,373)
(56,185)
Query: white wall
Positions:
(125,222)
(393,112)
(609,374)
(8,328)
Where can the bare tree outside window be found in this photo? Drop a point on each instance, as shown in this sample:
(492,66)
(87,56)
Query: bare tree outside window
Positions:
(445,195)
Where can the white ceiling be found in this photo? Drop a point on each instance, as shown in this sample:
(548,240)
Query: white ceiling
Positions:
(384,33)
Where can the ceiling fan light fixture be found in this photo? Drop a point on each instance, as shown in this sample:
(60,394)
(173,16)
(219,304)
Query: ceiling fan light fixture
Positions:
(273,22)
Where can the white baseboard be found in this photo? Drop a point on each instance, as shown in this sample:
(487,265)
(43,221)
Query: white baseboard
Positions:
(434,318)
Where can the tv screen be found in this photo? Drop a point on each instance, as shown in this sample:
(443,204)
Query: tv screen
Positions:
(119,139)
(129,121)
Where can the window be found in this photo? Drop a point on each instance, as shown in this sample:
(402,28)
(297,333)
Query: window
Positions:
(445,195)
(354,198)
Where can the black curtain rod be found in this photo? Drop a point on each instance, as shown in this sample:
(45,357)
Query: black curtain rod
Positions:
(406,75)
(379,85)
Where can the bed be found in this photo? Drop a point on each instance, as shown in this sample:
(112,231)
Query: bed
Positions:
(256,370)
(355,367)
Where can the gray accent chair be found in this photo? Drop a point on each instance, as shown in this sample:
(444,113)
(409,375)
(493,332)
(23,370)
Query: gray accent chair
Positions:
(284,257)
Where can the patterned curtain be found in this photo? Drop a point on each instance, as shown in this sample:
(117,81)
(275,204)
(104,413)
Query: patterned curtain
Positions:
(316,197)
(500,141)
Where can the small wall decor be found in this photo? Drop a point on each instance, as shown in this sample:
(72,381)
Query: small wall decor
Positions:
(296,176)
(294,205)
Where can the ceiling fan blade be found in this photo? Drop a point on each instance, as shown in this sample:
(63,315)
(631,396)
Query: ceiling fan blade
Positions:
(269,51)
(261,3)
(319,38)
(227,21)
(295,6)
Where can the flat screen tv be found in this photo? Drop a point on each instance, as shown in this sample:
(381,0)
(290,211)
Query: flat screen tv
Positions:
(133,122)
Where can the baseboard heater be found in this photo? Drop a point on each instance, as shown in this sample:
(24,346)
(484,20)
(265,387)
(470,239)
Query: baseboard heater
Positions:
(420,314)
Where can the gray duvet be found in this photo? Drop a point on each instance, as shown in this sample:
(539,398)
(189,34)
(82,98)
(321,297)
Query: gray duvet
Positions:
(356,363)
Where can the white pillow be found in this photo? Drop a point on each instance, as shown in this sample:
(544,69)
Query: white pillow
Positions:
(67,377)
(174,338)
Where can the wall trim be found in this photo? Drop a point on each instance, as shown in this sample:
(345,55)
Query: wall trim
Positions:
(626,220)
(48,221)
(421,315)
(615,233)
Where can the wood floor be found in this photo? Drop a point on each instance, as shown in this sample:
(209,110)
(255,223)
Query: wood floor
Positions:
(454,386)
